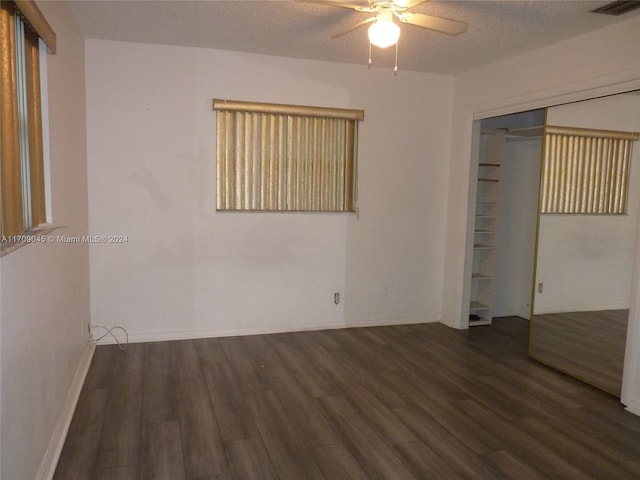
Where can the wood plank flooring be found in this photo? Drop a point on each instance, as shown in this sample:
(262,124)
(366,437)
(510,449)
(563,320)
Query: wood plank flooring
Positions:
(586,345)
(401,402)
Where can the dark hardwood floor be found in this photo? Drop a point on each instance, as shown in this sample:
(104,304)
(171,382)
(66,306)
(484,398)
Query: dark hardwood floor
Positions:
(586,345)
(401,402)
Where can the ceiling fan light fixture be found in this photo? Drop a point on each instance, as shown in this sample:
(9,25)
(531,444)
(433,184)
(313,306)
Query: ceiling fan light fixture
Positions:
(384,33)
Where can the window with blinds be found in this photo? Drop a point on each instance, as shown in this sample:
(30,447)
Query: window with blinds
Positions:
(23,33)
(273,157)
(585,171)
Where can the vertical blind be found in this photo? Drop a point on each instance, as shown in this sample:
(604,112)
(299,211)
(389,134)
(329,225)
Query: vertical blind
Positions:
(10,168)
(21,149)
(285,158)
(585,171)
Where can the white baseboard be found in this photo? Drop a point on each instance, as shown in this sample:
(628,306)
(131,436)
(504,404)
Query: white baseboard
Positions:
(540,310)
(162,336)
(633,406)
(52,455)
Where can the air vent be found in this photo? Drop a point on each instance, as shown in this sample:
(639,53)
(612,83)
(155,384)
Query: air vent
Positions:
(619,7)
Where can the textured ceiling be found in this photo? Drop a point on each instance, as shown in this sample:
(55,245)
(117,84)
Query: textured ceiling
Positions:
(497,29)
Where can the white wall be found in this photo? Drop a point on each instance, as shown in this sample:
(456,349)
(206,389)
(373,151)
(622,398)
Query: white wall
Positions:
(45,287)
(518,218)
(586,261)
(188,270)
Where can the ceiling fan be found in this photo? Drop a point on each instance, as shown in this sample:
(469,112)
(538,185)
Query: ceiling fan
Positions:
(384,30)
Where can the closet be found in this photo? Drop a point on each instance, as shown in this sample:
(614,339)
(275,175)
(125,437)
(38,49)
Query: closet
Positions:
(504,215)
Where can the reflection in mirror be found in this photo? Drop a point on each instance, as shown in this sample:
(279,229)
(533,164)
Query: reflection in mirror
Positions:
(584,265)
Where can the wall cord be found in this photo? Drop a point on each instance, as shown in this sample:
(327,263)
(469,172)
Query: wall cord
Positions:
(109,332)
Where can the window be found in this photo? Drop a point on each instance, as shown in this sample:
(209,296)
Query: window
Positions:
(22,27)
(285,158)
(585,171)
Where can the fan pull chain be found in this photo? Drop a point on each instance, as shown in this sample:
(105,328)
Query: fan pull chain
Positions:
(395,68)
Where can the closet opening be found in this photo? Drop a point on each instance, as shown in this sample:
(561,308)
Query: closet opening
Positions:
(504,210)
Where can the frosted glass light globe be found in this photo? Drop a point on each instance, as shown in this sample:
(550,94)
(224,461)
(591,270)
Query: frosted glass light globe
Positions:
(384,33)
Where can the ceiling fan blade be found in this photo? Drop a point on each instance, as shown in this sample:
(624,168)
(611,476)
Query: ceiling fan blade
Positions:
(438,24)
(355,27)
(363,6)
